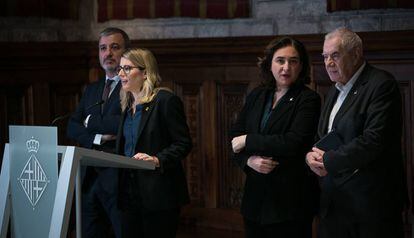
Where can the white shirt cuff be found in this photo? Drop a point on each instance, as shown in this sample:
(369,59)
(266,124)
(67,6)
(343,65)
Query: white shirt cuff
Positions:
(98,139)
(85,122)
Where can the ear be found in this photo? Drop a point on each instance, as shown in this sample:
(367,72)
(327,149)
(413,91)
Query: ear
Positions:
(145,74)
(357,55)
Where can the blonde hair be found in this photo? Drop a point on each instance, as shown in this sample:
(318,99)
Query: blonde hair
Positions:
(146,61)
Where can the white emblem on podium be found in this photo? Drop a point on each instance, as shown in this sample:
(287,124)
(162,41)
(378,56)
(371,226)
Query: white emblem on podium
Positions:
(32,178)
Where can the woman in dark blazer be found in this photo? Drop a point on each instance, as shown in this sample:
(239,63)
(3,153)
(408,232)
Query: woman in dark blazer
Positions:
(271,136)
(153,128)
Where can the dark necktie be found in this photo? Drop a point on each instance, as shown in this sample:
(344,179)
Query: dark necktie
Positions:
(106,91)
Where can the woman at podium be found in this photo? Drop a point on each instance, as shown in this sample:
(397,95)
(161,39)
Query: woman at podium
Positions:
(153,128)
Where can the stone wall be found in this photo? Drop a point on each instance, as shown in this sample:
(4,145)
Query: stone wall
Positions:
(269,17)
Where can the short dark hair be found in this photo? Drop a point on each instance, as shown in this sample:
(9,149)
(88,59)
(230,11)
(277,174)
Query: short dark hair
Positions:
(265,63)
(113,30)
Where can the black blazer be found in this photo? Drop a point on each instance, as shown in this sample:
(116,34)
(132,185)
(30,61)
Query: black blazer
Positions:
(162,132)
(369,122)
(105,122)
(289,191)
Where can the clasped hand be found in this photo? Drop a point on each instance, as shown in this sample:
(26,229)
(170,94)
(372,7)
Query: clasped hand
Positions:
(314,159)
(262,164)
(238,143)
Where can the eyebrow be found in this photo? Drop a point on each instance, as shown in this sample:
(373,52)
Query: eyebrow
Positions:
(283,57)
(326,53)
(111,44)
(297,57)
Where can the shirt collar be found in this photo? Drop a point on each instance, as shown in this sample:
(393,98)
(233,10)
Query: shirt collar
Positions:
(345,88)
(115,79)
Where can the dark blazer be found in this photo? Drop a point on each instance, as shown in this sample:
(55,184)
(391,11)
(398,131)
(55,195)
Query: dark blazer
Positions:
(105,122)
(369,122)
(163,132)
(287,192)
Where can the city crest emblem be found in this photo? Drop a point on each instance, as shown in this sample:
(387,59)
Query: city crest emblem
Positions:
(33,179)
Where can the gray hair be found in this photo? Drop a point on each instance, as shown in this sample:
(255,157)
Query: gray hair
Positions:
(113,30)
(349,39)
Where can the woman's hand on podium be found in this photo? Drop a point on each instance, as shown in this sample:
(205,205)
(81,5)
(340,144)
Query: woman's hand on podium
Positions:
(146,157)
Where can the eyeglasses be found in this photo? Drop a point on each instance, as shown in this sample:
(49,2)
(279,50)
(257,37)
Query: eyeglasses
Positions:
(127,68)
(335,56)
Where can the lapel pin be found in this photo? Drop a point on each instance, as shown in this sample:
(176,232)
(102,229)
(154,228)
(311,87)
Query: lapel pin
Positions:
(146,109)
(290,99)
(355,92)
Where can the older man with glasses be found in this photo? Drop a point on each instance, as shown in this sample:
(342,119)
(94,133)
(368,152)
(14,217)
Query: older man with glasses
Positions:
(362,177)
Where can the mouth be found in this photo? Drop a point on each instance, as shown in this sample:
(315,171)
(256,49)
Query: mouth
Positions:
(109,61)
(333,72)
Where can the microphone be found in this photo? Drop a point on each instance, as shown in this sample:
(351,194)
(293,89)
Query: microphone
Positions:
(59,118)
(95,104)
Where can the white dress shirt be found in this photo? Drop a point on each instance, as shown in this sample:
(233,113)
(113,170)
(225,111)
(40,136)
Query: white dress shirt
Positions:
(98,137)
(343,92)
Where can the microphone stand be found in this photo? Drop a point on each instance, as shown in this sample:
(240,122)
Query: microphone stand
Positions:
(59,118)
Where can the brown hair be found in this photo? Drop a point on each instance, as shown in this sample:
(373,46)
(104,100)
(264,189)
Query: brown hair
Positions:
(265,63)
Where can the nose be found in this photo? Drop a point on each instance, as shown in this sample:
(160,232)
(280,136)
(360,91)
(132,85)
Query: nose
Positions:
(108,52)
(121,73)
(286,65)
(328,59)
(329,62)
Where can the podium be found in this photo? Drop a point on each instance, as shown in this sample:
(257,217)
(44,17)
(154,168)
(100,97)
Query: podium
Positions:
(69,177)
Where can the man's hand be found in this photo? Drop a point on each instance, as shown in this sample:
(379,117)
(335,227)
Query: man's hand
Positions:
(106,138)
(262,164)
(238,143)
(314,159)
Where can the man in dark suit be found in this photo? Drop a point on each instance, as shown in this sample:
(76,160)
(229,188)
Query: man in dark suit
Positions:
(94,125)
(362,180)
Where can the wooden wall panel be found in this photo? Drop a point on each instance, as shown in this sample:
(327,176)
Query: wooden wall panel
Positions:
(190,94)
(47,77)
(63,101)
(16,108)
(40,81)
(230,101)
